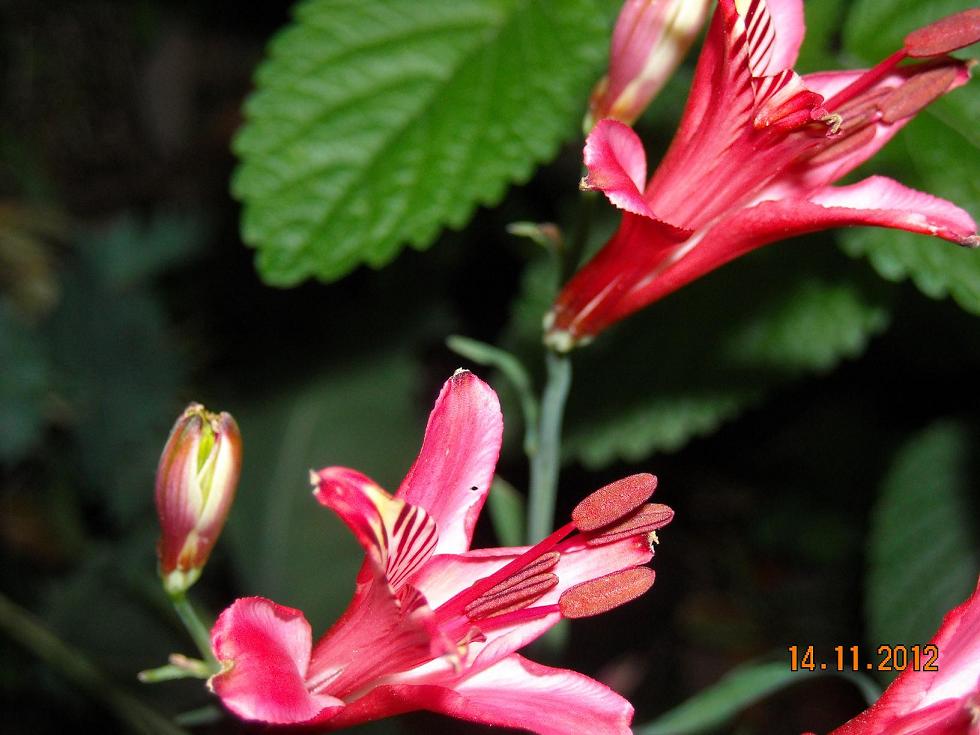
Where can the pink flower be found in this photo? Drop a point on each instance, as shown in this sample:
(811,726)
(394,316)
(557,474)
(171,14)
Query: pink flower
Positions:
(754,159)
(649,41)
(433,625)
(943,702)
(195,485)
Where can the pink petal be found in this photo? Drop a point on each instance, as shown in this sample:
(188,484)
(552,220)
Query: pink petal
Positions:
(265,649)
(380,634)
(932,702)
(519,693)
(788,29)
(886,203)
(397,536)
(452,475)
(617,165)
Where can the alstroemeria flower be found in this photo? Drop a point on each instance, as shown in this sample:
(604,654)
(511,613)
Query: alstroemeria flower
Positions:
(649,41)
(943,702)
(433,625)
(754,159)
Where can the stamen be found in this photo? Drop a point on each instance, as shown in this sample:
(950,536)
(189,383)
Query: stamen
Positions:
(518,591)
(833,122)
(648,518)
(943,36)
(866,81)
(605,593)
(907,99)
(848,143)
(610,503)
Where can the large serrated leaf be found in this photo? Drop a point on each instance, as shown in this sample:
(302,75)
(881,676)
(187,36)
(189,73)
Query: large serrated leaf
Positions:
(946,162)
(923,541)
(699,358)
(376,124)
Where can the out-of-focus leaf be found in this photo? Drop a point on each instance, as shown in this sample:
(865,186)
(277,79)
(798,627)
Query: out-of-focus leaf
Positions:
(946,164)
(875,29)
(130,250)
(923,539)
(376,124)
(115,367)
(23,381)
(823,20)
(286,546)
(506,507)
(718,704)
(698,358)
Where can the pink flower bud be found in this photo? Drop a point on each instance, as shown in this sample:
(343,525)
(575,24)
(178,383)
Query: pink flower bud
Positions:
(649,41)
(195,485)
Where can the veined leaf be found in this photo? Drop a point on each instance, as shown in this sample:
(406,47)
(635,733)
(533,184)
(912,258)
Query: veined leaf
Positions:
(923,540)
(375,124)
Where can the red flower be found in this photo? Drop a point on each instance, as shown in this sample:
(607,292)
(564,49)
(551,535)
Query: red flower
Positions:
(754,159)
(433,625)
(943,702)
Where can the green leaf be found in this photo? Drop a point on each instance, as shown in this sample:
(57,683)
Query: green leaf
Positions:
(740,688)
(945,164)
(700,357)
(923,538)
(376,124)
(875,29)
(506,506)
(284,545)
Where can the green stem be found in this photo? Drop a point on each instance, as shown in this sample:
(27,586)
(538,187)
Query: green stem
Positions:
(30,633)
(198,631)
(547,460)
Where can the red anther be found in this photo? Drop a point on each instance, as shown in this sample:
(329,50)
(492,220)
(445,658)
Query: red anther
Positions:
(605,593)
(648,518)
(943,36)
(841,146)
(610,503)
(917,92)
(515,597)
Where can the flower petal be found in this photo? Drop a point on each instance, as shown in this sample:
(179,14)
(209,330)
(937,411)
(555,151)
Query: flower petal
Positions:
(397,536)
(264,649)
(452,475)
(617,165)
(886,203)
(774,32)
(519,693)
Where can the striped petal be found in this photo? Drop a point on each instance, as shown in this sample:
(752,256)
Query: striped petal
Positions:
(452,475)
(398,537)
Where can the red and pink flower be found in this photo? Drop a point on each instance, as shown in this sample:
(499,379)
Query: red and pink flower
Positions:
(434,625)
(941,702)
(754,160)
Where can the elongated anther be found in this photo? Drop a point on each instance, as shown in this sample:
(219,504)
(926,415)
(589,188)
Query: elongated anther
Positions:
(605,593)
(614,501)
(648,518)
(945,35)
(917,92)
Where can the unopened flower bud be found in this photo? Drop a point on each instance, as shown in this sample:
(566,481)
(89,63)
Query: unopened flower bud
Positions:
(649,41)
(195,485)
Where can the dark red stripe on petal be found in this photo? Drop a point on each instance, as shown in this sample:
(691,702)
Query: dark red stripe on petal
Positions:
(605,593)
(610,503)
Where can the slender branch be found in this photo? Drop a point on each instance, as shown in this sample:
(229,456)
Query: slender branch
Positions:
(546,462)
(74,666)
(198,631)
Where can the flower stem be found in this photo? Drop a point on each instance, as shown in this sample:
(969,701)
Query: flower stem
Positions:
(546,461)
(198,631)
(70,663)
